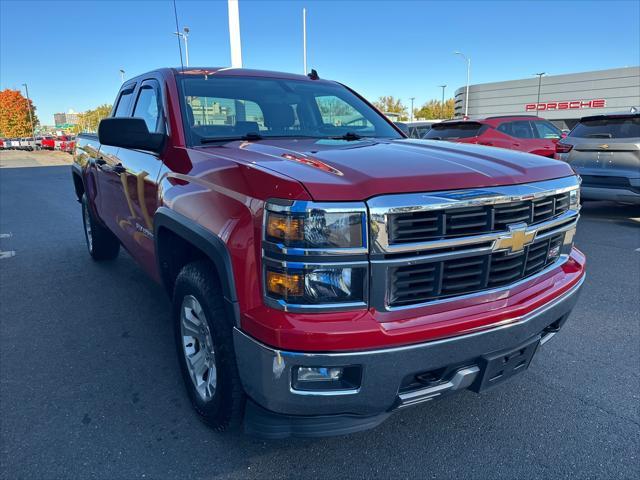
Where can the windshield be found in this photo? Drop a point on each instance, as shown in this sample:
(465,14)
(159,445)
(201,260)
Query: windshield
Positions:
(218,108)
(608,127)
(454,130)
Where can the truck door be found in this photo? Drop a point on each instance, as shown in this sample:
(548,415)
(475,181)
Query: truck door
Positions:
(133,177)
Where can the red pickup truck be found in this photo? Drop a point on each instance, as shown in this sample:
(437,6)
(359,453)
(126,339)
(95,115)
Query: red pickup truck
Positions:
(325,270)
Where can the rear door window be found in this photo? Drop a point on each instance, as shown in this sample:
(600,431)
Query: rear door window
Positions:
(455,130)
(546,130)
(608,127)
(518,129)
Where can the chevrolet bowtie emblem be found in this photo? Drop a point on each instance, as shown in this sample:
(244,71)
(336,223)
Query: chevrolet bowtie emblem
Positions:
(604,146)
(516,239)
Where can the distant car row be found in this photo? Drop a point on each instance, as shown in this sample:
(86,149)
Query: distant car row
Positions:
(64,143)
(603,149)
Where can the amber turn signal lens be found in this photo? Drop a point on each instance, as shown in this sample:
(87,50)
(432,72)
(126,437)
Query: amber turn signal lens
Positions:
(284,227)
(285,284)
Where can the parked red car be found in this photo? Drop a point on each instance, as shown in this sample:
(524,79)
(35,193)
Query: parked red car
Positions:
(526,133)
(325,270)
(48,143)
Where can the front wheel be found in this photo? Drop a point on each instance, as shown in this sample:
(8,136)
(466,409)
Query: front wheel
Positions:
(204,341)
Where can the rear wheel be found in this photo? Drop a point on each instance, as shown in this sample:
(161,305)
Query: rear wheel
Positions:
(101,243)
(204,341)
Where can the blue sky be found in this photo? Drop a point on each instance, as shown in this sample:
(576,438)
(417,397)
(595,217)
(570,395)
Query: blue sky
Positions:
(70,53)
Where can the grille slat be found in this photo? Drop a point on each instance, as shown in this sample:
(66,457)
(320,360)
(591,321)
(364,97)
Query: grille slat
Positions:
(418,283)
(454,222)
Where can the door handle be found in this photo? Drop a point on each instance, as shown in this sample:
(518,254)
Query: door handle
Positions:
(118,169)
(516,144)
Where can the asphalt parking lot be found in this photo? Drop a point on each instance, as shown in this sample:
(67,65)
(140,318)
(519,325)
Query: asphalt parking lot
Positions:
(90,388)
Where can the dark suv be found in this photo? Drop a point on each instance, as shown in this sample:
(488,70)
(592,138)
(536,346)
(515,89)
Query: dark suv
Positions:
(525,133)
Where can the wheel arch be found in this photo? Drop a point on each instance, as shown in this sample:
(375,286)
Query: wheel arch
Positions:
(169,226)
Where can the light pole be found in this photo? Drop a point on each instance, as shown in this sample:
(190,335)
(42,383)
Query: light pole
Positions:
(121,75)
(411,116)
(466,95)
(539,85)
(235,43)
(304,40)
(33,130)
(185,36)
(442,104)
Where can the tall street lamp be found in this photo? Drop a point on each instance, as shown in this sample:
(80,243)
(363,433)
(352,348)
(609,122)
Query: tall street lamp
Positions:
(121,75)
(411,116)
(33,130)
(442,104)
(185,36)
(304,41)
(466,95)
(539,85)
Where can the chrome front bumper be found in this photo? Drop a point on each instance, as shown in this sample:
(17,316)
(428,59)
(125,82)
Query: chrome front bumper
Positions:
(266,373)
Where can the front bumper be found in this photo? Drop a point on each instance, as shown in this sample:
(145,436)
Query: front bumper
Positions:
(613,194)
(277,410)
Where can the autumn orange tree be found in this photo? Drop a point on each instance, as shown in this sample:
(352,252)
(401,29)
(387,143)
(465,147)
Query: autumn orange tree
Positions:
(14,114)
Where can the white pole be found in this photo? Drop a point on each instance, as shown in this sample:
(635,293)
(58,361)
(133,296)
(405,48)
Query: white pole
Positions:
(304,40)
(234,34)
(466,95)
(185,35)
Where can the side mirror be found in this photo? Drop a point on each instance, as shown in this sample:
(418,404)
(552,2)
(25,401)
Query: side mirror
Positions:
(126,132)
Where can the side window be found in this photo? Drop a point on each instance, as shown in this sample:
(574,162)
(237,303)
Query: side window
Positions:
(505,128)
(148,106)
(522,129)
(124,102)
(547,130)
(338,113)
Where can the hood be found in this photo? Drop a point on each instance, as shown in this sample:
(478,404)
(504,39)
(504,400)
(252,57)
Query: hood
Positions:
(342,170)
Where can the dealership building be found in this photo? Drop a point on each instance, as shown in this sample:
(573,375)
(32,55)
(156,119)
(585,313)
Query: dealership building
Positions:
(563,99)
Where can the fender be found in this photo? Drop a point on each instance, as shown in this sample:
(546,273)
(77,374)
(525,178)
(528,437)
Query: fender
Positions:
(208,242)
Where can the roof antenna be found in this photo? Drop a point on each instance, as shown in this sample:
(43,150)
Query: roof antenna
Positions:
(313,75)
(175,14)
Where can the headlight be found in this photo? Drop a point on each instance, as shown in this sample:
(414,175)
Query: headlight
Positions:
(302,284)
(304,244)
(308,225)
(574,199)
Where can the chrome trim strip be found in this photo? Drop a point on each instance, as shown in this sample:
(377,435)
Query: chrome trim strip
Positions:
(494,237)
(382,206)
(313,308)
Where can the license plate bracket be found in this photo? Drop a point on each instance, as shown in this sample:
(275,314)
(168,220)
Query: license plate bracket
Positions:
(501,366)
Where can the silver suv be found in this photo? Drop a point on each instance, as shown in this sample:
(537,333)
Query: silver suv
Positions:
(605,151)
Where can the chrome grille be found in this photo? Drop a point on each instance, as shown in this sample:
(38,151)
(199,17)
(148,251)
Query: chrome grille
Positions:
(424,282)
(428,225)
(437,246)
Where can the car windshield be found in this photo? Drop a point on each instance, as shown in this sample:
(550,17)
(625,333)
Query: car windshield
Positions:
(463,129)
(608,127)
(221,108)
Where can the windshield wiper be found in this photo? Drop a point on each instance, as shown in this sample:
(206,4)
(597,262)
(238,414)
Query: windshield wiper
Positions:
(251,136)
(349,136)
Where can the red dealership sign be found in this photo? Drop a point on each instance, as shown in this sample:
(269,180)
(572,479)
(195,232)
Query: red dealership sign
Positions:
(566,105)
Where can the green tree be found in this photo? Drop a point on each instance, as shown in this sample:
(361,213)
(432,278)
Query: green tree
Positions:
(434,109)
(90,119)
(390,104)
(14,114)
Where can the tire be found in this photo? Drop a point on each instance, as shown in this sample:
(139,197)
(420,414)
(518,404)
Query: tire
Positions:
(198,303)
(101,243)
